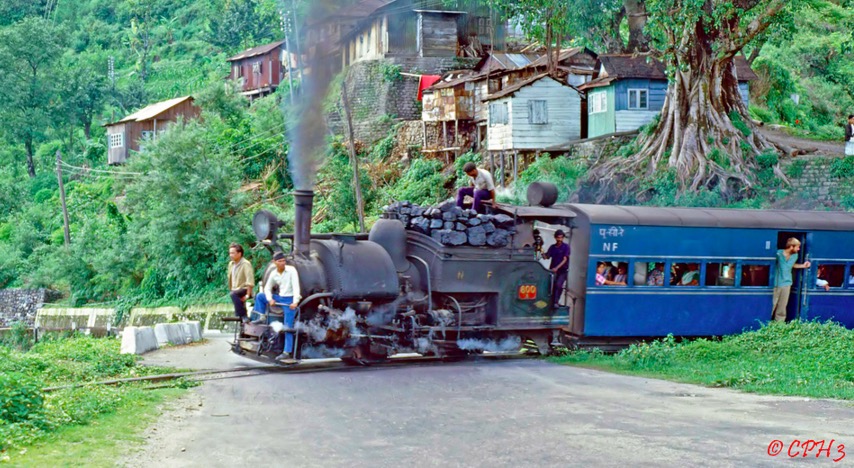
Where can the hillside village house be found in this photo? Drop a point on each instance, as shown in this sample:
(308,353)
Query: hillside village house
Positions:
(414,28)
(539,112)
(324,35)
(131,133)
(629,92)
(260,70)
(456,103)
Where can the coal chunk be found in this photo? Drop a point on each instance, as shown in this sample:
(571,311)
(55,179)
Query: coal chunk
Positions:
(503,221)
(474,222)
(447,206)
(449,216)
(489,228)
(499,238)
(460,226)
(436,224)
(421,225)
(456,238)
(477,235)
(449,225)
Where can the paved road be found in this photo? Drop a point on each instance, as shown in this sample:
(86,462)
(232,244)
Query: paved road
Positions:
(481,413)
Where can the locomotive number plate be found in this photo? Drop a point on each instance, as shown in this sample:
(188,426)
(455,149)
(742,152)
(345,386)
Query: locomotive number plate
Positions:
(527,292)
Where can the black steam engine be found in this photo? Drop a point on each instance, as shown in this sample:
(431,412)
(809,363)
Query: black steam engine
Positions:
(398,290)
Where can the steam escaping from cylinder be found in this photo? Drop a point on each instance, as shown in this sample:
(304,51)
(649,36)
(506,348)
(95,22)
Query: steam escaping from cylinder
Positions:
(307,136)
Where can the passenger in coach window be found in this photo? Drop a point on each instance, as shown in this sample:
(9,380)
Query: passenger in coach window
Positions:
(851,277)
(786,260)
(821,279)
(601,280)
(656,276)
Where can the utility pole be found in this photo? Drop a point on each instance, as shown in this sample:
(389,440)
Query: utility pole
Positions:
(286,28)
(62,198)
(360,206)
(296,38)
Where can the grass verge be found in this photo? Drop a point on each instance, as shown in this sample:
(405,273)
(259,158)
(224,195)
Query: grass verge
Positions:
(29,415)
(104,440)
(800,359)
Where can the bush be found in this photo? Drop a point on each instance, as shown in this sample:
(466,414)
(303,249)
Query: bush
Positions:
(842,168)
(646,355)
(567,174)
(21,398)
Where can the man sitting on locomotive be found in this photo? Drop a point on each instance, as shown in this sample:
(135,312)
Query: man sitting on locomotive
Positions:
(559,255)
(482,187)
(286,279)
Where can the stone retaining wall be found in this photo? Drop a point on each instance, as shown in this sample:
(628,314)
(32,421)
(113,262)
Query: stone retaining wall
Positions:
(810,179)
(209,316)
(18,305)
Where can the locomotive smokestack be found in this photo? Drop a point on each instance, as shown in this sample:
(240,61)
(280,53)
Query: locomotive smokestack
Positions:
(303,201)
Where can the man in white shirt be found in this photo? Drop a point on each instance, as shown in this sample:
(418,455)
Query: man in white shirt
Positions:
(482,187)
(286,279)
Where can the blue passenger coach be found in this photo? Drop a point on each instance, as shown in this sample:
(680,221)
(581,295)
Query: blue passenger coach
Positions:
(701,272)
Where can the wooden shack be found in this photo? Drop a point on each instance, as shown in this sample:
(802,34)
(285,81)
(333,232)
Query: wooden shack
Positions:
(260,70)
(132,132)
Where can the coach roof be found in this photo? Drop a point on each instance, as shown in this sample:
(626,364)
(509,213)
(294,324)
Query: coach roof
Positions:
(715,217)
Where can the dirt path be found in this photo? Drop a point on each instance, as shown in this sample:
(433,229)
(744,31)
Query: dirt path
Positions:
(827,148)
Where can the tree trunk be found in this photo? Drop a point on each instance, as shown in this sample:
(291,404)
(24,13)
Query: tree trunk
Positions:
(612,40)
(637,18)
(87,129)
(31,167)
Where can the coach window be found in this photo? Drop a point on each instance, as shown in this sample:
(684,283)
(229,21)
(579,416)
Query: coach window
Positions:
(850,279)
(648,274)
(755,275)
(685,274)
(832,275)
(720,274)
(612,273)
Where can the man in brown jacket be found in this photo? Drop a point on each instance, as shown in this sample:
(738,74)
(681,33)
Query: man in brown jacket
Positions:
(241,280)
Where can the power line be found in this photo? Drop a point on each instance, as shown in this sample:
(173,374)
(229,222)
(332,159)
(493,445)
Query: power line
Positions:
(87,169)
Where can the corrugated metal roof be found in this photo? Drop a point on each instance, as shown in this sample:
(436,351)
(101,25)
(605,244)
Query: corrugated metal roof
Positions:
(510,90)
(260,50)
(716,217)
(153,110)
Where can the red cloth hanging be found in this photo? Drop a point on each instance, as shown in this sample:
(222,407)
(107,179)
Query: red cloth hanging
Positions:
(425,82)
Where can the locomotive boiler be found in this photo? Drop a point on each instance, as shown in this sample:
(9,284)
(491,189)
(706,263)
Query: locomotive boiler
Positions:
(400,290)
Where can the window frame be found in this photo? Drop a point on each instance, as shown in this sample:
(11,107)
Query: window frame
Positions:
(492,114)
(544,114)
(117,140)
(598,102)
(637,92)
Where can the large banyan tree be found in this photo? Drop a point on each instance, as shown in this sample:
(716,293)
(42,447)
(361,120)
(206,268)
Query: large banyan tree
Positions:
(703,133)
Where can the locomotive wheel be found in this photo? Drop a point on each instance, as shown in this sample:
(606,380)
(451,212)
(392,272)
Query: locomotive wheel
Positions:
(362,355)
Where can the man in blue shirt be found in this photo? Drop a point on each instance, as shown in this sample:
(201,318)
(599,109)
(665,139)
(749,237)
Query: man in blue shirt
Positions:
(786,259)
(559,255)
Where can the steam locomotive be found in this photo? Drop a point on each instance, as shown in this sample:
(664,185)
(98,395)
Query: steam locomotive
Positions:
(398,290)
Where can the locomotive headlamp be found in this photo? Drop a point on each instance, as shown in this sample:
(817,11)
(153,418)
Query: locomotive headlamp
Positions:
(265,224)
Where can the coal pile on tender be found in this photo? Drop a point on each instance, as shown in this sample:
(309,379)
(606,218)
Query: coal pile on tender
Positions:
(449,224)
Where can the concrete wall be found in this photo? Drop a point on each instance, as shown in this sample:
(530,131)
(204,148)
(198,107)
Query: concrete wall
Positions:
(59,318)
(21,304)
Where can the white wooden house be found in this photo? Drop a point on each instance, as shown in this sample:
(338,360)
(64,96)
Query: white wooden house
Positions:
(536,113)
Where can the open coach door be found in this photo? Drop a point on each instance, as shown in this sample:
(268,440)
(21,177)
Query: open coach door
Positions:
(798,303)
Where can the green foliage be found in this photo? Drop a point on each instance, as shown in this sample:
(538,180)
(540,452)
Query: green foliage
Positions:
(739,123)
(18,337)
(391,72)
(27,413)
(796,169)
(382,149)
(842,168)
(567,174)
(810,359)
(422,183)
(664,190)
